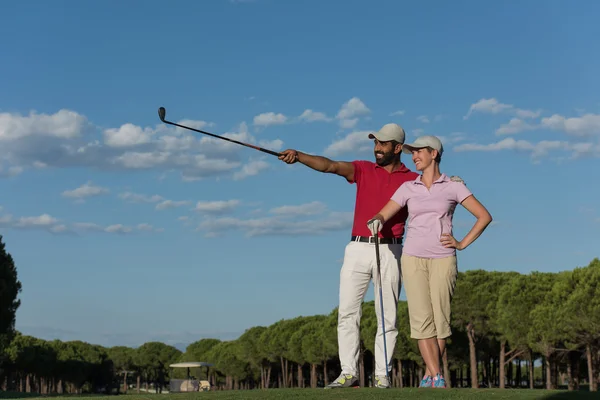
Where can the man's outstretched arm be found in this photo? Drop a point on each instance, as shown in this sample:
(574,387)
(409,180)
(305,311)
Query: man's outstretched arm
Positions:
(319,163)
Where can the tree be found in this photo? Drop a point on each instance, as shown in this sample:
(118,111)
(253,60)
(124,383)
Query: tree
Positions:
(547,329)
(406,349)
(581,313)
(10,287)
(515,301)
(154,359)
(476,292)
(123,359)
(197,352)
(251,350)
(228,359)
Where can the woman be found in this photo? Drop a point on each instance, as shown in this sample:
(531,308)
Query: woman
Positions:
(428,261)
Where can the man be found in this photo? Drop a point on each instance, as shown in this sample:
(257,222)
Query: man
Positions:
(376,183)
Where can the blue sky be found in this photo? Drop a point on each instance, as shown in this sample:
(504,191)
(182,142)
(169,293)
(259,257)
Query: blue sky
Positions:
(126,230)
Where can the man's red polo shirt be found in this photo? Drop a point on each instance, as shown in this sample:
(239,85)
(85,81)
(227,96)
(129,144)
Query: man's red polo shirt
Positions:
(374,188)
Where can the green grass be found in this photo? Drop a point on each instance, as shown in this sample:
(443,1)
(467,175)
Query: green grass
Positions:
(351,394)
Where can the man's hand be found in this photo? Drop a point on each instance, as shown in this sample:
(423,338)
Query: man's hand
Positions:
(455,178)
(375,224)
(289,156)
(448,241)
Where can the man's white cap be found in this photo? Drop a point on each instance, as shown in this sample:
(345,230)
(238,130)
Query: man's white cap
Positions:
(389,132)
(424,141)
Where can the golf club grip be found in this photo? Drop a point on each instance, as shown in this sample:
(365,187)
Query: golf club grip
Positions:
(224,138)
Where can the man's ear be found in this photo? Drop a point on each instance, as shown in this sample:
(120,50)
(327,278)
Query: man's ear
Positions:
(398,148)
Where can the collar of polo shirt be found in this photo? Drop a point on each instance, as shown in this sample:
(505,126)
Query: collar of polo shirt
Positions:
(441,179)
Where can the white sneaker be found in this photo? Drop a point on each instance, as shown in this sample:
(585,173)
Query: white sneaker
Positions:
(382,382)
(343,381)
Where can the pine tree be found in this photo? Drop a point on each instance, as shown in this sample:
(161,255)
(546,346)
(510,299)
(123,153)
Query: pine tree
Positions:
(10,287)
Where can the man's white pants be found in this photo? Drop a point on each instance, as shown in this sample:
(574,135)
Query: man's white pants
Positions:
(359,267)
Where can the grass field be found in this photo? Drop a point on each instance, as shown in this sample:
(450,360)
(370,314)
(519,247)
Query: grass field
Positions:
(349,394)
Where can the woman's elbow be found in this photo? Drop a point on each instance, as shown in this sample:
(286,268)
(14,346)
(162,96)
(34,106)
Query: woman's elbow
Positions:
(486,218)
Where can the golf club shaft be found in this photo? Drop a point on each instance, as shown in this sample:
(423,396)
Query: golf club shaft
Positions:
(381,304)
(161,113)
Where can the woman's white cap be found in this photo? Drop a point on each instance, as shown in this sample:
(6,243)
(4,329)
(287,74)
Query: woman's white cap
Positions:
(422,142)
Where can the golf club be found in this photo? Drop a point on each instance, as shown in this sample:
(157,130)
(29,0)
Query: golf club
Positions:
(162,113)
(381,303)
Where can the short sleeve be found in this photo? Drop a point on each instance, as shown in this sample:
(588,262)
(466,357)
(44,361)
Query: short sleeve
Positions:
(358,168)
(461,192)
(400,196)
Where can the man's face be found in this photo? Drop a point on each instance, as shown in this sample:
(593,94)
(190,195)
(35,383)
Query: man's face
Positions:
(385,152)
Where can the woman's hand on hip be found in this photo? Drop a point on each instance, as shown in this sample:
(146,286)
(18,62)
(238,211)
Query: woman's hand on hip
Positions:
(450,242)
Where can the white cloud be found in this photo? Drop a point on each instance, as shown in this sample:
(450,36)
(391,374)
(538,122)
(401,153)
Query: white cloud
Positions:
(67,140)
(278,225)
(161,202)
(139,198)
(493,106)
(586,125)
(351,111)
(418,132)
(11,172)
(515,125)
(64,124)
(196,124)
(269,119)
(167,204)
(59,228)
(348,123)
(44,220)
(312,116)
(54,225)
(251,169)
(87,227)
(275,145)
(145,227)
(81,227)
(423,119)
(217,206)
(527,113)
(355,141)
(85,190)
(118,228)
(505,144)
(312,208)
(454,137)
(537,150)
(148,228)
(141,160)
(580,150)
(395,113)
(127,135)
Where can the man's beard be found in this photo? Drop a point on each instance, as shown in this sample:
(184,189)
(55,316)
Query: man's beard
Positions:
(387,158)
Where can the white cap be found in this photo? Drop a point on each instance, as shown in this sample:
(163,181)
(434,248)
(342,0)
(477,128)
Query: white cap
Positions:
(389,132)
(424,141)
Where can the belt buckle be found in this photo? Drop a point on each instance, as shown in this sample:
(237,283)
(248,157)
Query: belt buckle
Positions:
(371,239)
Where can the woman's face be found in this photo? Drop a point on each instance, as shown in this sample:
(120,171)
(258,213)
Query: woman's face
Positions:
(423,158)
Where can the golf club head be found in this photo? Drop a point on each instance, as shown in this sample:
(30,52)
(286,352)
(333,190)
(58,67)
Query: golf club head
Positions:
(162,113)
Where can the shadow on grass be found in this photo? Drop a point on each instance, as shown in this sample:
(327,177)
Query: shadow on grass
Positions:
(21,395)
(572,395)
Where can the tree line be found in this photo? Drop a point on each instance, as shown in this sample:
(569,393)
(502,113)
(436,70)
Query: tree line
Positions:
(509,330)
